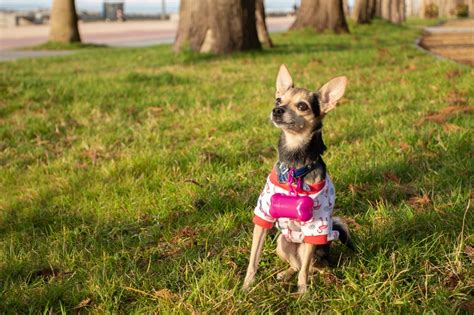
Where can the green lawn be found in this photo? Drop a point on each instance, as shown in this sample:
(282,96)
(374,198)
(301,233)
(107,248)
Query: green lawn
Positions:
(128,178)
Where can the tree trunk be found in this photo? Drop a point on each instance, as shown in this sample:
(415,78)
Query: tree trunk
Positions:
(378,8)
(345,7)
(371,7)
(385,9)
(410,7)
(393,10)
(64,26)
(450,7)
(217,26)
(262,30)
(359,13)
(364,11)
(321,15)
(397,11)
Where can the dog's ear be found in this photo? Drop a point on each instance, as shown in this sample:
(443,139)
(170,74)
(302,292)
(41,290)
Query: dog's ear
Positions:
(330,93)
(284,81)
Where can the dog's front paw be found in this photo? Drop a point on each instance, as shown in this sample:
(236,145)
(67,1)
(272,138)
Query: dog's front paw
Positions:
(302,288)
(247,284)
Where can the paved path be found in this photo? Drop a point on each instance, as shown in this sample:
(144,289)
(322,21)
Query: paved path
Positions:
(453,40)
(114,34)
(15,54)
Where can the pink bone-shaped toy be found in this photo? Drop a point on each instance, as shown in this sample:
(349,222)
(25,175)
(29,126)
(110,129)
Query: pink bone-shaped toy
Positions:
(292,206)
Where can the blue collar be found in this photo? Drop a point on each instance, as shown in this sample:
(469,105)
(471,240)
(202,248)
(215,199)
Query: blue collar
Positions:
(283,170)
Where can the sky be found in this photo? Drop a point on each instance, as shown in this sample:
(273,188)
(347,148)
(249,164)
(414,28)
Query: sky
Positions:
(131,6)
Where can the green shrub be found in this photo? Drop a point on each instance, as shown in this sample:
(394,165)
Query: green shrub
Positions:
(461,11)
(431,11)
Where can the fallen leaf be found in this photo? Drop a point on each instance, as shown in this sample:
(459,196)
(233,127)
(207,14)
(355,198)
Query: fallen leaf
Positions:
(451,281)
(456,109)
(452,74)
(383,52)
(469,251)
(166,294)
(436,118)
(451,127)
(329,278)
(456,98)
(419,201)
(442,115)
(468,306)
(155,110)
(187,232)
(404,146)
(83,303)
(352,223)
(92,154)
(81,165)
(210,156)
(391,176)
(355,188)
(192,181)
(48,272)
(167,250)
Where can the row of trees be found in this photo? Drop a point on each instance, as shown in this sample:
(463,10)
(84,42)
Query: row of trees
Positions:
(223,26)
(390,10)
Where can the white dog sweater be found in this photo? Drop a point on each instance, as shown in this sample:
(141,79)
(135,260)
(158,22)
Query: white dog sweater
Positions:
(317,230)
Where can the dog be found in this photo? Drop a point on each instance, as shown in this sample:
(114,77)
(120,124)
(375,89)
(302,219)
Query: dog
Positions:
(299,114)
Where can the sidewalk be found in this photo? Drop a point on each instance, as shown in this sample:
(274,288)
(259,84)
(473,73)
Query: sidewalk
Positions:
(119,34)
(453,40)
(115,34)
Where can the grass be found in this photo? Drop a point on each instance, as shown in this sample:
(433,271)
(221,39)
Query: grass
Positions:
(51,45)
(128,178)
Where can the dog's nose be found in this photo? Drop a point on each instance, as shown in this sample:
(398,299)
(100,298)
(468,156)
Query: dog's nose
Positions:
(278,111)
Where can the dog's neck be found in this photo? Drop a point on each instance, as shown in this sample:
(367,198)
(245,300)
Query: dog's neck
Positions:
(299,150)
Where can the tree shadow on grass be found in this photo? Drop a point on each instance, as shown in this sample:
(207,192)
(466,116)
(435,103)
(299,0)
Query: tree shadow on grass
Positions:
(149,253)
(406,204)
(141,253)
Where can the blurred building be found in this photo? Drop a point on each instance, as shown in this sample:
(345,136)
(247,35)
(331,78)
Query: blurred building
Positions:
(16,18)
(113,11)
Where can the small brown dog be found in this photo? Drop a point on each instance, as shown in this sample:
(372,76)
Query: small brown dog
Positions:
(299,113)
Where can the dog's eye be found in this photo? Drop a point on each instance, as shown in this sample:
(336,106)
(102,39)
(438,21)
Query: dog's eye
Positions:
(302,106)
(278,101)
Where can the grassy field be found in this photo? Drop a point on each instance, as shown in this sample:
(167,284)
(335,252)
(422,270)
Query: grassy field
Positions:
(128,178)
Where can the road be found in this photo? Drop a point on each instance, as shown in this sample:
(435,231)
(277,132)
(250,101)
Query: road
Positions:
(115,34)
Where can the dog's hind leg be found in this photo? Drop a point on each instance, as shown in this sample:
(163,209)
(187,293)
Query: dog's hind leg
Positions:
(288,252)
(321,259)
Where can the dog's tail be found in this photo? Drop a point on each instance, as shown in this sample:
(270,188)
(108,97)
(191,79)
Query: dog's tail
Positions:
(343,229)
